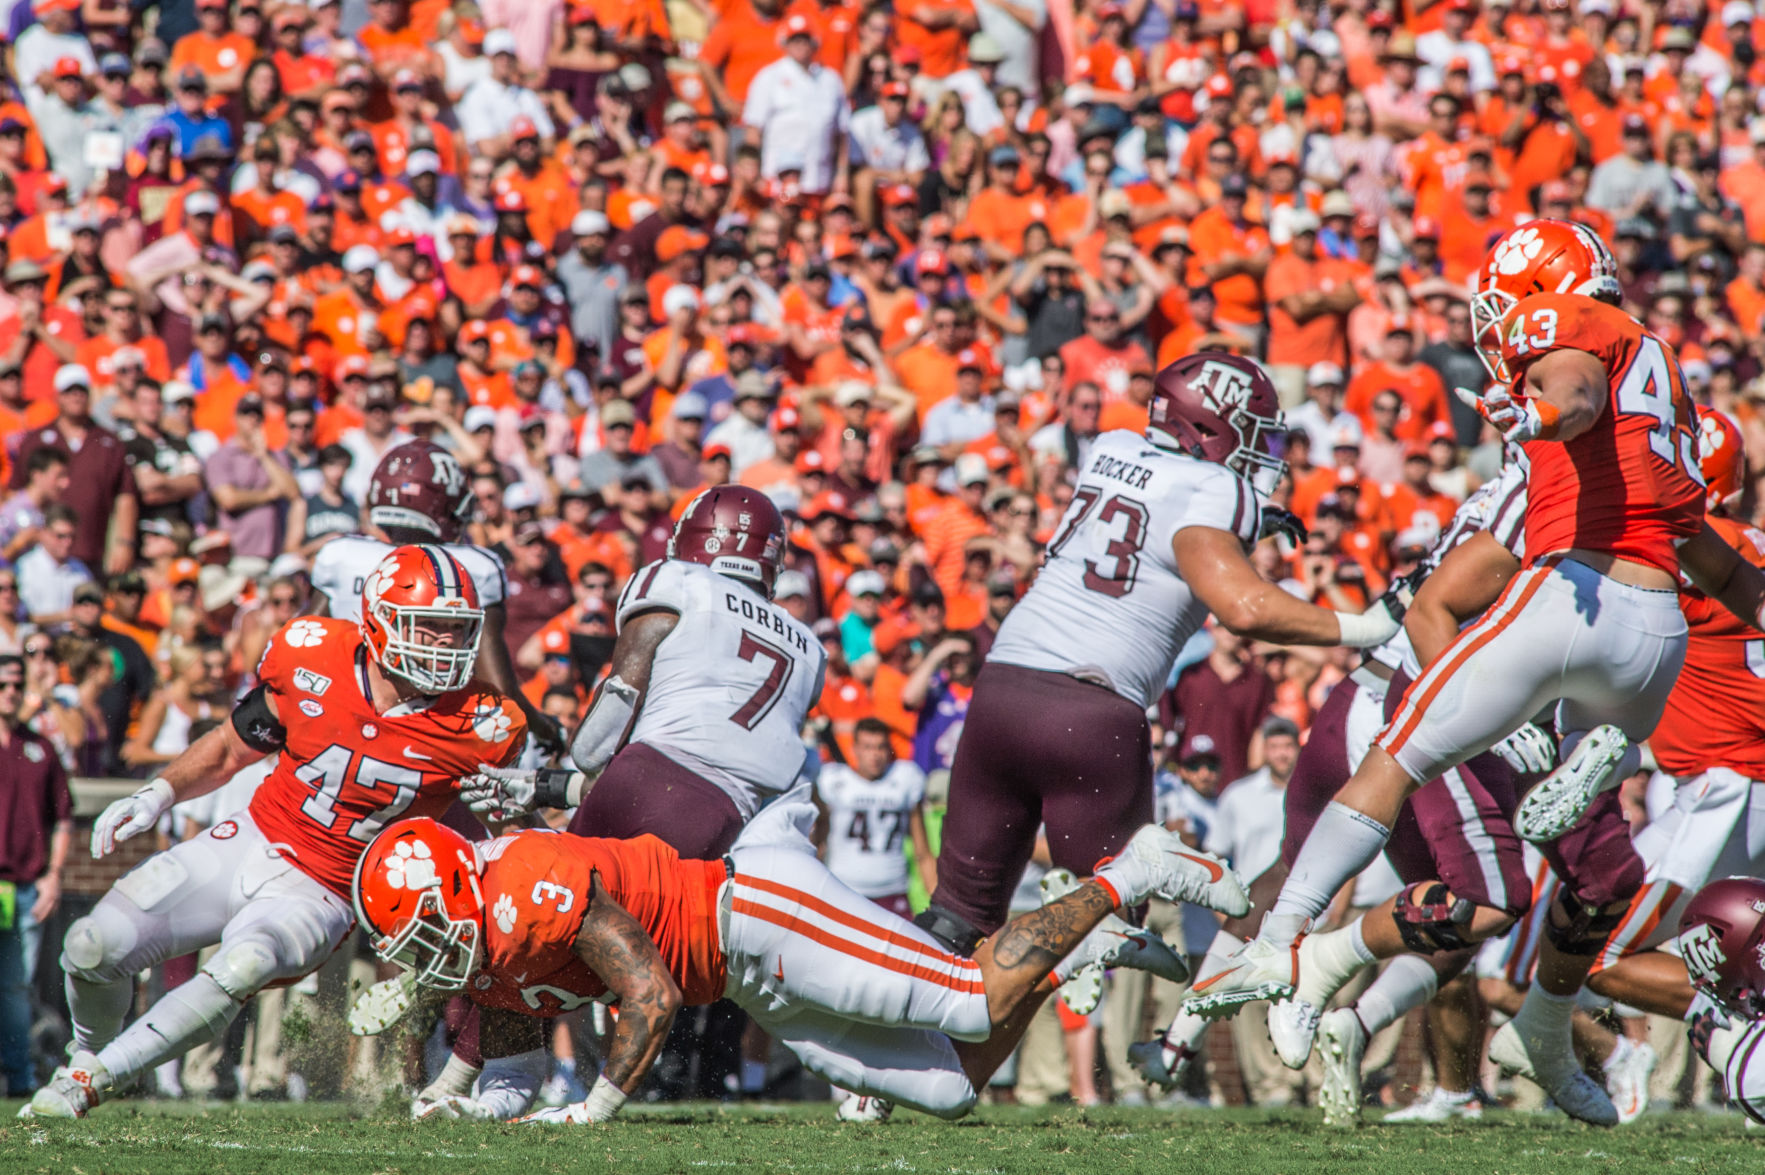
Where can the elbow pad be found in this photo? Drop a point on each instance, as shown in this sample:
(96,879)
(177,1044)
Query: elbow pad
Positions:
(258,729)
(507,1085)
(602,732)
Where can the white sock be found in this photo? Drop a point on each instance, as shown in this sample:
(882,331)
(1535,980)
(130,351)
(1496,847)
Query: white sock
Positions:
(1327,961)
(1186,1031)
(184,1017)
(455,1080)
(1409,982)
(1620,1054)
(1544,1016)
(98,1009)
(1342,843)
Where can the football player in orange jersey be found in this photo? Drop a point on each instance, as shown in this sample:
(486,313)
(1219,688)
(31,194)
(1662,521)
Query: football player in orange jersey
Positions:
(537,923)
(371,721)
(1614,515)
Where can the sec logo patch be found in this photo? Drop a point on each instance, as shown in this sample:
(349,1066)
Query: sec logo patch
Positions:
(225,830)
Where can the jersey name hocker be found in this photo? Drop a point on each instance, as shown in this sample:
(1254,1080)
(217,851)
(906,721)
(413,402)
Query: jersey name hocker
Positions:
(867,825)
(343,565)
(730,685)
(1109,604)
(346,771)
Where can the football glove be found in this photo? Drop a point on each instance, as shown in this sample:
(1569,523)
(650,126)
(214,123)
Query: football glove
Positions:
(1282,523)
(131,815)
(453,1106)
(1518,420)
(502,793)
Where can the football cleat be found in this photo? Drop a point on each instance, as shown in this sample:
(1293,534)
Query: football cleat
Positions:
(1553,1068)
(1255,971)
(382,1005)
(1113,942)
(1563,797)
(72,1092)
(1156,861)
(862,1108)
(1293,1026)
(1342,1043)
(1627,1078)
(1440,1106)
(1160,1062)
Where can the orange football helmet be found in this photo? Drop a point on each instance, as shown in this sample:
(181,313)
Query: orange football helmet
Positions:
(416,892)
(1721,457)
(1539,257)
(421,619)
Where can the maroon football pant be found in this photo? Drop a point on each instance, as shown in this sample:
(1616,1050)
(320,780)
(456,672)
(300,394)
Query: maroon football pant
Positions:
(642,790)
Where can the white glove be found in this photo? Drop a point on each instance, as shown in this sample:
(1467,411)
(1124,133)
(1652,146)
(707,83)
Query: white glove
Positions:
(449,1107)
(1518,420)
(1528,750)
(502,793)
(130,815)
(1371,628)
(382,1005)
(602,1102)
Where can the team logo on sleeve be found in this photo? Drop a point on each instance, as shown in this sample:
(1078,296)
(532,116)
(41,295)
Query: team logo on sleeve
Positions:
(490,723)
(409,866)
(1516,251)
(313,683)
(304,634)
(504,912)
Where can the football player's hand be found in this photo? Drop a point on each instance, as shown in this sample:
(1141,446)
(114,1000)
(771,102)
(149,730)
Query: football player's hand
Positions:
(1702,1020)
(130,815)
(501,793)
(452,1106)
(547,732)
(1528,750)
(574,1114)
(1518,420)
(382,1005)
(1283,523)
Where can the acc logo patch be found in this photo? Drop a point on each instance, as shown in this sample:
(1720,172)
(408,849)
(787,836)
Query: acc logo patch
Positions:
(313,683)
(311,708)
(225,830)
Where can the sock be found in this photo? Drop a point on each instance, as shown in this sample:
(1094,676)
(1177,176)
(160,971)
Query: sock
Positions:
(1409,982)
(1544,1016)
(1341,844)
(1327,961)
(1185,1031)
(455,1080)
(185,1017)
(753,1076)
(98,1009)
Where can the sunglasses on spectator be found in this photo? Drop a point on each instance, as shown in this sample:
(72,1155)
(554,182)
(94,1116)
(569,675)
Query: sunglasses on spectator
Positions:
(39,651)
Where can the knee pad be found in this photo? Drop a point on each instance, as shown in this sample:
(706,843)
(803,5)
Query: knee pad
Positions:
(1577,927)
(954,931)
(243,968)
(96,947)
(1430,919)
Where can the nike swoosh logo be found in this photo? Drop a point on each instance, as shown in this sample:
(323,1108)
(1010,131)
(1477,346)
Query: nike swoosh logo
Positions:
(1214,872)
(779,974)
(1204,984)
(410,754)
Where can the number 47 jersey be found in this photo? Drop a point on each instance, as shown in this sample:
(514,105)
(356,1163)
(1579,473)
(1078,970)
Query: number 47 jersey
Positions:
(345,770)
(1109,605)
(730,686)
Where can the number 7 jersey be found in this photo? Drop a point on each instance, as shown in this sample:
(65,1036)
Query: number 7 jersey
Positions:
(1630,485)
(730,686)
(1109,605)
(345,770)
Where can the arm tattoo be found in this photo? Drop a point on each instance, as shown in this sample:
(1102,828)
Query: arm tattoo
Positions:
(616,948)
(1043,937)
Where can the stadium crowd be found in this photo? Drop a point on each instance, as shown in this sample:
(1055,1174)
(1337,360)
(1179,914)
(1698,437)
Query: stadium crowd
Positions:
(896,267)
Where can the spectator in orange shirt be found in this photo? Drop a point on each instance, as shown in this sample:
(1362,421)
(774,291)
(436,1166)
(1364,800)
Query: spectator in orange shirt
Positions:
(961,518)
(1309,296)
(1232,253)
(1103,355)
(1417,384)
(214,48)
(939,29)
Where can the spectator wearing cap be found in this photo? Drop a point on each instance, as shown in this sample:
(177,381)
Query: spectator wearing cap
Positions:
(779,472)
(539,588)
(55,35)
(49,573)
(680,353)
(66,117)
(865,590)
(1418,386)
(886,149)
(168,475)
(953,422)
(251,486)
(397,138)
(1309,297)
(1321,413)
(1105,354)
(189,118)
(605,469)
(1413,500)
(36,335)
(745,432)
(541,182)
(1439,47)
(591,282)
(798,107)
(489,109)
(101,489)
(679,455)
(1232,253)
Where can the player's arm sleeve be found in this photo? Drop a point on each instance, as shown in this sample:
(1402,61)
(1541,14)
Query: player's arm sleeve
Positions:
(258,725)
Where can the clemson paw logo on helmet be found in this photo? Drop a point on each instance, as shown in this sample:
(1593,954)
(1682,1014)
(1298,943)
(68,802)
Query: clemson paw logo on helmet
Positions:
(304,634)
(491,724)
(377,582)
(409,866)
(1711,435)
(1516,251)
(504,912)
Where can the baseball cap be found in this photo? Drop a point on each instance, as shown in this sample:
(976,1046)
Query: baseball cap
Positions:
(360,259)
(791,584)
(423,163)
(689,406)
(1323,373)
(520,496)
(677,239)
(899,194)
(72,375)
(68,67)
(932,261)
(798,25)
(1304,221)
(618,413)
(828,502)
(866,583)
(589,223)
(1234,185)
(971,469)
(523,128)
(201,202)
(498,41)
(679,298)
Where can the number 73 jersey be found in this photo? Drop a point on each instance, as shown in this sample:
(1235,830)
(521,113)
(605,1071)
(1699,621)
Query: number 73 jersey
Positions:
(1109,604)
(730,686)
(1630,485)
(345,770)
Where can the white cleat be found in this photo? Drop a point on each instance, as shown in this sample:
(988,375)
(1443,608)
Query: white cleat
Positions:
(1160,1062)
(1554,1069)
(1255,971)
(382,1005)
(1156,861)
(1113,942)
(1627,1078)
(1562,798)
(1342,1043)
(861,1108)
(1293,1026)
(1439,1106)
(71,1093)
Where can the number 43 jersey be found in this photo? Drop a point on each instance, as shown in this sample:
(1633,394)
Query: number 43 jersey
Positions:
(1109,605)
(730,685)
(346,771)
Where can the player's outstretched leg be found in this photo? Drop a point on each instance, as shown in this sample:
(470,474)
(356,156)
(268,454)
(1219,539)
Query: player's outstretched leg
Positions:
(1593,762)
(1114,943)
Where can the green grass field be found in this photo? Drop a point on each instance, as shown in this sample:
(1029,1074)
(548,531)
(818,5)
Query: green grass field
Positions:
(174,1139)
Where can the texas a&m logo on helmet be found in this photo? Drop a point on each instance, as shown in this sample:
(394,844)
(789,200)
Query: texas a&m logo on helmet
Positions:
(1223,409)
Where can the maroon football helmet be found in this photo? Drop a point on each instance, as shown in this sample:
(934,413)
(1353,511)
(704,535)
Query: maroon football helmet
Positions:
(1222,409)
(420,494)
(735,531)
(1722,940)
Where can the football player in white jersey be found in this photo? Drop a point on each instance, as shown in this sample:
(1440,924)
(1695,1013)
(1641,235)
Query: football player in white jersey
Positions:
(873,818)
(1157,536)
(1722,940)
(419,494)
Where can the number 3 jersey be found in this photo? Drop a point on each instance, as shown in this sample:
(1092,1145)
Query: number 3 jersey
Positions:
(346,771)
(1109,604)
(730,685)
(343,565)
(867,825)
(1629,485)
